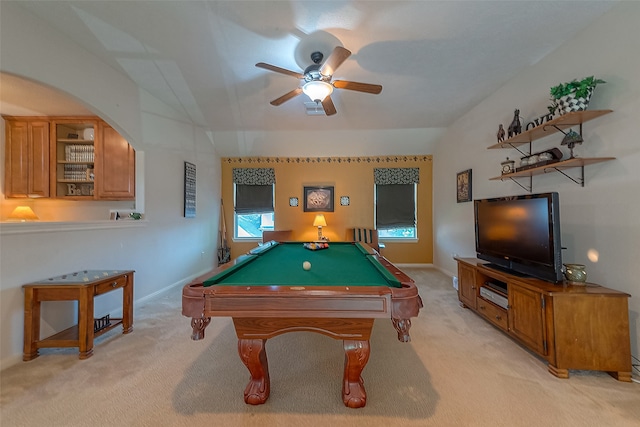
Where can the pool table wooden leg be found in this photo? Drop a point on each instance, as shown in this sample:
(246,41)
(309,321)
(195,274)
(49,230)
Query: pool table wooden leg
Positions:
(198,325)
(402,327)
(356,356)
(254,355)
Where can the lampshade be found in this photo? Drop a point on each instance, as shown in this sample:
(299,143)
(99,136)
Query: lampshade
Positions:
(571,137)
(319,221)
(317,90)
(23,213)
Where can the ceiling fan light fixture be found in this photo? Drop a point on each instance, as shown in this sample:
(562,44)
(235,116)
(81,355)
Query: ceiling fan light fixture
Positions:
(317,90)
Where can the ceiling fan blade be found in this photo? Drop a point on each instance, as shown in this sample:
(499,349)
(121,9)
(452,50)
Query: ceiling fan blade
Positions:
(360,87)
(287,96)
(329,108)
(279,70)
(337,57)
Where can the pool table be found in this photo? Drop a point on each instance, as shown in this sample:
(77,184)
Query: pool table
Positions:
(267,292)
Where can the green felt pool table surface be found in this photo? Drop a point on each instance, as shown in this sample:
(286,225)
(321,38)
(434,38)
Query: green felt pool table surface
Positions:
(281,264)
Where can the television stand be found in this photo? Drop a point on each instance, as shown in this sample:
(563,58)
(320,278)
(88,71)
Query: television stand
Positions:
(505,270)
(555,321)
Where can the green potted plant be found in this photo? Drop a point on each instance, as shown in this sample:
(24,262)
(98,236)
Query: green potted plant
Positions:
(573,95)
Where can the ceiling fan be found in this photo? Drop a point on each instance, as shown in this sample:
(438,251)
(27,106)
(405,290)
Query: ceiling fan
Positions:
(318,84)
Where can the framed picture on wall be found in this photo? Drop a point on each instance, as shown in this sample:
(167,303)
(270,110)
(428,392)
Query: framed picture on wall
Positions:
(318,199)
(189,190)
(463,186)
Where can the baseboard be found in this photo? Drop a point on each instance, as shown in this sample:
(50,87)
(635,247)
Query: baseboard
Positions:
(153,295)
(416,265)
(10,361)
(170,287)
(443,271)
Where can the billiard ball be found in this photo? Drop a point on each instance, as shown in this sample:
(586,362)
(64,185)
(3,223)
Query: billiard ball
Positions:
(306,265)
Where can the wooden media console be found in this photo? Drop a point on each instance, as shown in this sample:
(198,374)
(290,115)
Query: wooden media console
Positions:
(578,327)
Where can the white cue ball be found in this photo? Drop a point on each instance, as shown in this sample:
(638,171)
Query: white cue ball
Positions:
(306,265)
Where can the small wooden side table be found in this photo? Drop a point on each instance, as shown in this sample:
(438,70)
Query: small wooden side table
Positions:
(82,286)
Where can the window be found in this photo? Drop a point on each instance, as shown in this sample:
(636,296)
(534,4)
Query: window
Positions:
(253,202)
(395,202)
(396,211)
(252,225)
(253,210)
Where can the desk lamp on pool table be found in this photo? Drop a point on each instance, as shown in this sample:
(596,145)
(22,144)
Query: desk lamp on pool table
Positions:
(320,222)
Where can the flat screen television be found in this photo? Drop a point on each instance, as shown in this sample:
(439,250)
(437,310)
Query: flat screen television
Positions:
(521,234)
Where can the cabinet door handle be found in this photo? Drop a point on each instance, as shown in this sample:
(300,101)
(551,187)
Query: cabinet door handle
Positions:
(114,284)
(498,317)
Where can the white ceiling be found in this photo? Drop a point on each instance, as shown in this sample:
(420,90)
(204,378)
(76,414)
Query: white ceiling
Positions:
(434,59)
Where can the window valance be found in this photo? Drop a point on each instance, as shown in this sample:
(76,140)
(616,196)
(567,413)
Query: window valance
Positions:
(394,176)
(254,176)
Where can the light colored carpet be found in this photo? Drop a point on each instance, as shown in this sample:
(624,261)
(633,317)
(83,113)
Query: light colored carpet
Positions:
(457,371)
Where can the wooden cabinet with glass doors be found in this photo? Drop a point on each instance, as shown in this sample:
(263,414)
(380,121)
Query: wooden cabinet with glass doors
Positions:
(73,147)
(91,161)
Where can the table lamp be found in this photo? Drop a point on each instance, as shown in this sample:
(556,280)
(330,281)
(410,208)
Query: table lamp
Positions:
(23,214)
(320,222)
(570,139)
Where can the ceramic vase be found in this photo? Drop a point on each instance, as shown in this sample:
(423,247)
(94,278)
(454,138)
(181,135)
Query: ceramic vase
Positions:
(575,273)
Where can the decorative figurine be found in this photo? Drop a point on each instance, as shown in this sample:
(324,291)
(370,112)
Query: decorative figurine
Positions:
(500,133)
(515,127)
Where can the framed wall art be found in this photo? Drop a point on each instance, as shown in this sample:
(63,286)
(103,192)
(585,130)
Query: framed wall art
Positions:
(318,199)
(463,186)
(189,190)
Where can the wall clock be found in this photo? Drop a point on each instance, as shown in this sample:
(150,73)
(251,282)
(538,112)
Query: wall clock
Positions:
(293,201)
(344,201)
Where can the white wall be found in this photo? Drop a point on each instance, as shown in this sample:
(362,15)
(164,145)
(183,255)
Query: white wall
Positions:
(604,215)
(166,249)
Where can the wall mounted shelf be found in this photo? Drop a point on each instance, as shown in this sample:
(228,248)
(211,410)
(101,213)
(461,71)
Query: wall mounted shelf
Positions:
(561,166)
(548,128)
(566,121)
